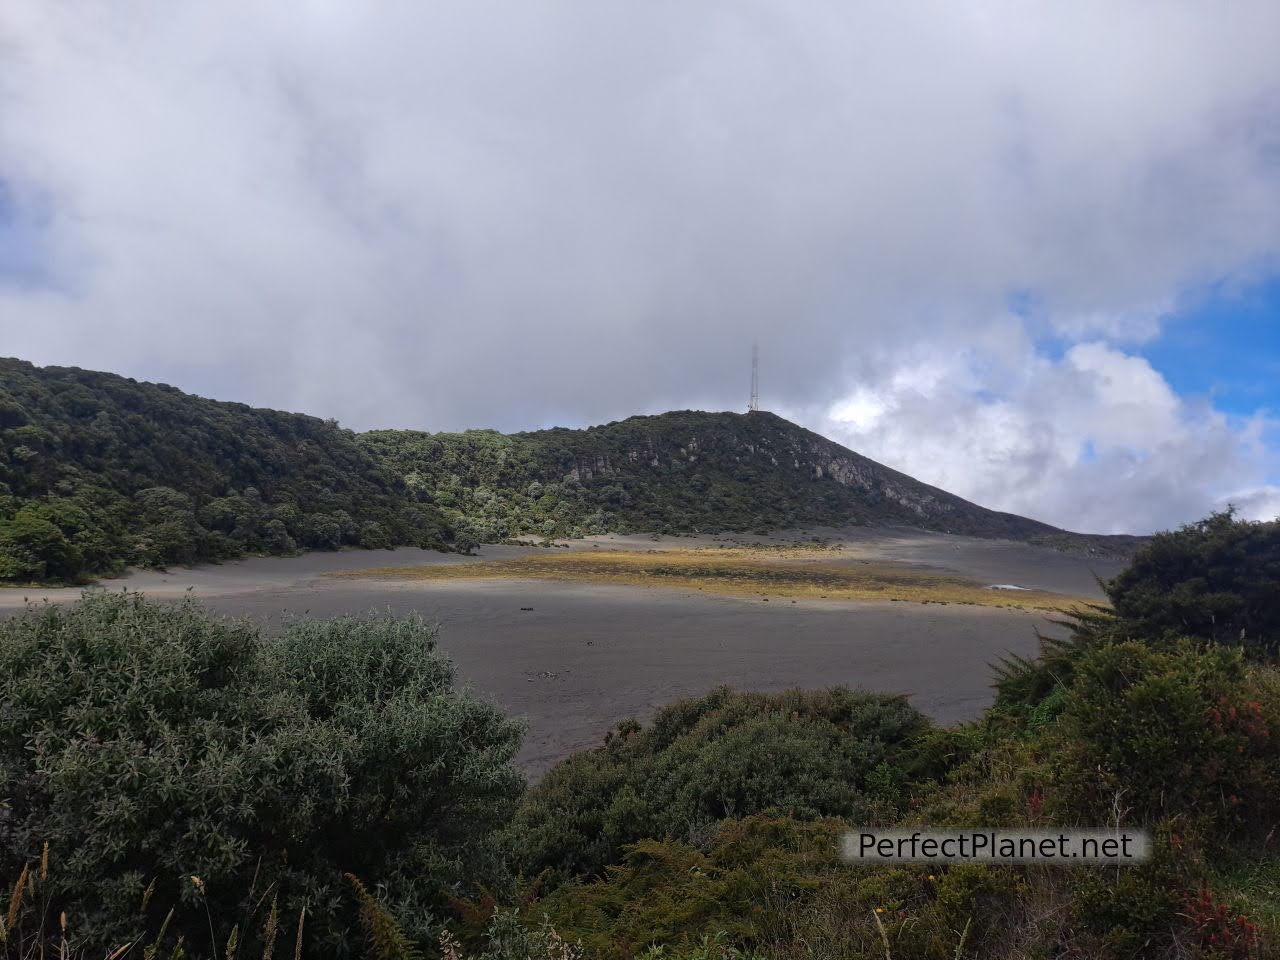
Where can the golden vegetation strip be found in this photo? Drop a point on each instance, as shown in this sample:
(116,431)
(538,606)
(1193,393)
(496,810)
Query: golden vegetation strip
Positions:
(768,573)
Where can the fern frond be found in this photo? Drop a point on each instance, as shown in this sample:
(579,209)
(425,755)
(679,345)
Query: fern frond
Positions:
(388,940)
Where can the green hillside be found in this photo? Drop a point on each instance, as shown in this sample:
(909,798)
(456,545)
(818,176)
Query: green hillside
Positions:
(679,472)
(98,471)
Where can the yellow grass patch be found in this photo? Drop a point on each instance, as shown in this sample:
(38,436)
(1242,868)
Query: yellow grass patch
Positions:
(745,572)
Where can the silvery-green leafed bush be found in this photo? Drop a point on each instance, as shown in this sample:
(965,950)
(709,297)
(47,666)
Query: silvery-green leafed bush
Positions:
(150,743)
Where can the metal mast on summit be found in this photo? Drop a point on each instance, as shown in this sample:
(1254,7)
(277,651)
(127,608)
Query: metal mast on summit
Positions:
(755,379)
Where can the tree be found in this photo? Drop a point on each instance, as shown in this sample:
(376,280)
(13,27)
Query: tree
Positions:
(33,548)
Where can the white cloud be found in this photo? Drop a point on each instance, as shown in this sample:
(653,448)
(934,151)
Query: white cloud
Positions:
(1260,503)
(1095,440)
(1125,403)
(1138,325)
(453,214)
(861,411)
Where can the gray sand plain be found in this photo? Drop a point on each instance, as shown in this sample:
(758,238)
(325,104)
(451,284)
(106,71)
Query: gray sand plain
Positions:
(590,655)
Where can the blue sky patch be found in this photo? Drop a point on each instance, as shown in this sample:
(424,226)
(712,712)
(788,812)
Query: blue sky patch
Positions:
(1226,347)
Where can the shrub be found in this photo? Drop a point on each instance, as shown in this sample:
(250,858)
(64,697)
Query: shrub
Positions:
(506,936)
(148,743)
(1214,580)
(1219,929)
(1134,911)
(1172,733)
(734,885)
(832,753)
(26,932)
(777,887)
(1029,690)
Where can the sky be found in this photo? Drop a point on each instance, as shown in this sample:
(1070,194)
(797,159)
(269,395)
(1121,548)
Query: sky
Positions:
(1026,252)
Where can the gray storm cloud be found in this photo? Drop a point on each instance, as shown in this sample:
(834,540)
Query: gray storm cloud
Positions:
(444,215)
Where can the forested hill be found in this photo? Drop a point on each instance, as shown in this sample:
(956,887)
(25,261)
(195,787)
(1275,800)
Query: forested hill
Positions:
(676,472)
(98,471)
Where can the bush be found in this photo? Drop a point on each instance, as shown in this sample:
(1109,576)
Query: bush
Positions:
(776,887)
(737,886)
(1173,733)
(149,743)
(832,753)
(1214,580)
(1135,911)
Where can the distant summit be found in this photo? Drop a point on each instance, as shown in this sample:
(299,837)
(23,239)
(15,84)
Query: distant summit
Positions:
(681,472)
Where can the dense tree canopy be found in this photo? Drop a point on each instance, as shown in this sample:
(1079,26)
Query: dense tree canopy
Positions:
(98,471)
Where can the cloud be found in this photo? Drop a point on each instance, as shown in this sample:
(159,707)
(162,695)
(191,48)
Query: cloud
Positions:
(1262,503)
(455,214)
(1095,440)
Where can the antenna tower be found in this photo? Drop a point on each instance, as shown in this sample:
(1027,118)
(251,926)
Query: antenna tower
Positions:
(755,379)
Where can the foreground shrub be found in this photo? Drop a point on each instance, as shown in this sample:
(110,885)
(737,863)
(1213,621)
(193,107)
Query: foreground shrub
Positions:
(149,743)
(832,753)
(1030,691)
(777,888)
(1218,928)
(676,894)
(1134,911)
(1181,733)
